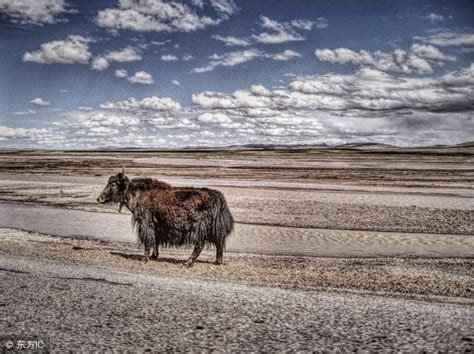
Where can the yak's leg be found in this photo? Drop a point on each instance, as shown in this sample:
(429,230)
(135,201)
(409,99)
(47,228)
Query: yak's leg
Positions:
(196,252)
(146,256)
(219,251)
(155,249)
(146,236)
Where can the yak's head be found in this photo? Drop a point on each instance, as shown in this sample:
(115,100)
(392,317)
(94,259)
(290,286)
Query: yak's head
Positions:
(114,190)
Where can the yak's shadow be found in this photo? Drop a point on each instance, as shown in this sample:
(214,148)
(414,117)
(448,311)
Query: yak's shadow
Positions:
(139,257)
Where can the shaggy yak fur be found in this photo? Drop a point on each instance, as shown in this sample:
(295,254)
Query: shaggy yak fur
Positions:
(171,216)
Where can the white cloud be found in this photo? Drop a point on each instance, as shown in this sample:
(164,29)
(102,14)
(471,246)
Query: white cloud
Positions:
(280,32)
(307,25)
(38,101)
(230,59)
(434,18)
(286,55)
(214,118)
(20,133)
(126,54)
(367,106)
(176,82)
(141,77)
(121,73)
(368,92)
(187,57)
(429,52)
(226,7)
(445,39)
(37,12)
(85,108)
(420,58)
(100,63)
(130,122)
(169,57)
(233,41)
(243,56)
(154,15)
(100,119)
(73,49)
(198,3)
(148,103)
(25,113)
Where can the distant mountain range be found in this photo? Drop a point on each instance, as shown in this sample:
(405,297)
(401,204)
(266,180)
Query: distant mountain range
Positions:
(349,146)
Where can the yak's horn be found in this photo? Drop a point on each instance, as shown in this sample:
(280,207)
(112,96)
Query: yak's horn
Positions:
(123,169)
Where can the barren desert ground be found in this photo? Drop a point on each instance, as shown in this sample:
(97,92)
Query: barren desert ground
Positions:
(368,248)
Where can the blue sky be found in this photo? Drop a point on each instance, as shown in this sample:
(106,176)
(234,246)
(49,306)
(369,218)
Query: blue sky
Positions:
(156,73)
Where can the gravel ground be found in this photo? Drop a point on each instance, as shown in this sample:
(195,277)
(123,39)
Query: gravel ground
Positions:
(416,278)
(74,307)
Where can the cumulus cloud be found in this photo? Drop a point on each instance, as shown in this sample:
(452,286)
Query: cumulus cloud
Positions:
(286,55)
(38,101)
(126,54)
(175,82)
(362,93)
(158,15)
(133,122)
(243,56)
(148,103)
(419,58)
(169,57)
(445,39)
(121,73)
(73,49)
(214,118)
(141,77)
(19,133)
(100,63)
(279,32)
(36,12)
(367,106)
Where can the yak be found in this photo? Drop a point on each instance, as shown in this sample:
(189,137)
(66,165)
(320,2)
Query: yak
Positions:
(171,216)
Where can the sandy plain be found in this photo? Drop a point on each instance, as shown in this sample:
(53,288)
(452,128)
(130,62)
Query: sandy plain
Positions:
(356,248)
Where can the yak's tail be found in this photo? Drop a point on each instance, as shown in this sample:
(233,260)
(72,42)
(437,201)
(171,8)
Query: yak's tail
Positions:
(223,221)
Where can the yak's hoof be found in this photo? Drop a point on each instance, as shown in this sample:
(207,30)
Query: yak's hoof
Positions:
(154,256)
(189,263)
(218,262)
(145,259)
